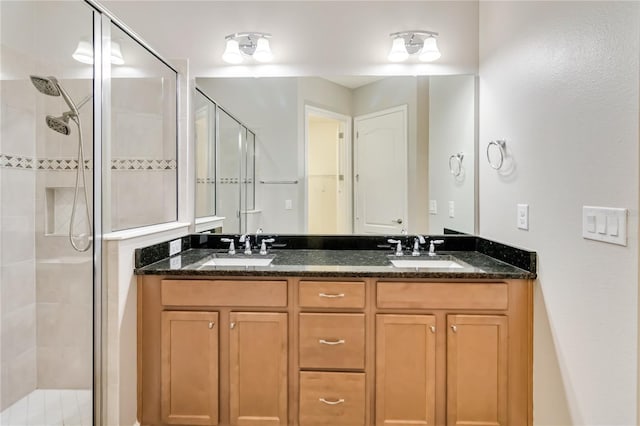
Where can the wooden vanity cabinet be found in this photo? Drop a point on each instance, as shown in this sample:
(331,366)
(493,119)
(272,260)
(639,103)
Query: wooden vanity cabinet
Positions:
(212,352)
(453,353)
(353,352)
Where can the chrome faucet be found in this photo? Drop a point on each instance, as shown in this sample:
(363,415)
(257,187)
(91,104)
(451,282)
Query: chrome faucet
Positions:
(432,246)
(263,245)
(246,239)
(419,239)
(398,244)
(232,247)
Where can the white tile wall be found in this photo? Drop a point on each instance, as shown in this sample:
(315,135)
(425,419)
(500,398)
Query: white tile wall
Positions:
(50,407)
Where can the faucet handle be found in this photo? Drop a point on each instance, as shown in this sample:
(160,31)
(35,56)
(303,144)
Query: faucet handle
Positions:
(432,246)
(232,247)
(398,244)
(263,245)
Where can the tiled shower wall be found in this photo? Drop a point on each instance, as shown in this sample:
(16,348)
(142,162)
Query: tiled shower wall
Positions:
(17,230)
(46,287)
(143,158)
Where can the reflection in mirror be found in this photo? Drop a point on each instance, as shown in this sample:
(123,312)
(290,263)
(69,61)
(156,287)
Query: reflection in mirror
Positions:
(144,138)
(205,139)
(433,118)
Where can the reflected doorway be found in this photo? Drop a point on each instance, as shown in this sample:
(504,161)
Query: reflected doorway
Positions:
(328,172)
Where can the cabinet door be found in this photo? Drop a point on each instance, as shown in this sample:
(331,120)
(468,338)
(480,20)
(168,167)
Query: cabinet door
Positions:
(405,369)
(258,368)
(189,381)
(477,370)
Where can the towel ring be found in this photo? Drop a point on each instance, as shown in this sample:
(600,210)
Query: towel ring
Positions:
(455,164)
(502,146)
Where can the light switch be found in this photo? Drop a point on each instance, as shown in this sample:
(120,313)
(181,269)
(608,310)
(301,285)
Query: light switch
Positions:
(452,209)
(601,223)
(523,216)
(288,205)
(433,207)
(612,225)
(605,224)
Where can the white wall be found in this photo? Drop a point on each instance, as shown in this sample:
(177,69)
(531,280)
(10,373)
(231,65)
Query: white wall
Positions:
(452,122)
(559,82)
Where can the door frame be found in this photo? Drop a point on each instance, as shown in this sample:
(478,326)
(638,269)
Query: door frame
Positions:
(347,172)
(405,110)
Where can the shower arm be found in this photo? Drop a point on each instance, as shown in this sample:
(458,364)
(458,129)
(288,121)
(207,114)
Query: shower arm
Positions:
(84,101)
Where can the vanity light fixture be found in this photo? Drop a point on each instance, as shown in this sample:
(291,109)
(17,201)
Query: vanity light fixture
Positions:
(406,43)
(251,44)
(84,52)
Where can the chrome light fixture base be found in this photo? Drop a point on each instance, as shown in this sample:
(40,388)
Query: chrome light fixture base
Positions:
(406,43)
(249,44)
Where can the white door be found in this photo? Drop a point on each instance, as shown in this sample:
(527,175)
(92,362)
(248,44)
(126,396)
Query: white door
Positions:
(381,172)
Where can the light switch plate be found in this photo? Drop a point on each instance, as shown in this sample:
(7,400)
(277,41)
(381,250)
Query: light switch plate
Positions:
(288,205)
(433,207)
(175,247)
(523,216)
(605,224)
(452,209)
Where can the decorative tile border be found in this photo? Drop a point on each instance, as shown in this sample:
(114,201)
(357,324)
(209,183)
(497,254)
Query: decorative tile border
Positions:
(142,164)
(62,164)
(16,162)
(65,164)
(224,180)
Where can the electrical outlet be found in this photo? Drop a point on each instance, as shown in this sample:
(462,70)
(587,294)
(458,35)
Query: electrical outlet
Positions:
(288,205)
(175,247)
(452,209)
(523,216)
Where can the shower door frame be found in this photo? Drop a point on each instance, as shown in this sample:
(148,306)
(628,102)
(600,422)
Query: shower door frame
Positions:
(102,21)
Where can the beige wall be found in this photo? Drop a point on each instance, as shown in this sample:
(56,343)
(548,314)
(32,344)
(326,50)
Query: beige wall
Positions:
(559,82)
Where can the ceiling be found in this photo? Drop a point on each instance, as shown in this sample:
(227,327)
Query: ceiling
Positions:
(328,38)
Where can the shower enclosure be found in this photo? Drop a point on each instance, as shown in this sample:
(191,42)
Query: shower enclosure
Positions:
(88,130)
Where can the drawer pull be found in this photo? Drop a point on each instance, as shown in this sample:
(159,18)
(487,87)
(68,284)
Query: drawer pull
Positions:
(331,342)
(331,296)
(339,401)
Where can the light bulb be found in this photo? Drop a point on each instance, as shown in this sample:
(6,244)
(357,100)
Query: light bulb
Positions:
(84,52)
(398,51)
(430,51)
(232,53)
(263,51)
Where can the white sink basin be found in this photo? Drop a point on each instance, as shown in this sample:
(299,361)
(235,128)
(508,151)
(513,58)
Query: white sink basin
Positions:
(239,261)
(424,263)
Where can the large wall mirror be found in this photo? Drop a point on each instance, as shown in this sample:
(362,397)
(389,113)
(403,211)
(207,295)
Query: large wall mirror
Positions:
(337,155)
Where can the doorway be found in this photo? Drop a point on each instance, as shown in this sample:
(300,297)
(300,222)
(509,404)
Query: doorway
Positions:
(380,187)
(328,172)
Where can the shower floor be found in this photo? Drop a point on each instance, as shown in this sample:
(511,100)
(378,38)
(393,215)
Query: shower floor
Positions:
(48,407)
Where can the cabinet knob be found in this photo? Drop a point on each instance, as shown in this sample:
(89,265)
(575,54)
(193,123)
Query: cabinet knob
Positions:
(432,328)
(232,325)
(454,328)
(211,324)
(336,402)
(331,342)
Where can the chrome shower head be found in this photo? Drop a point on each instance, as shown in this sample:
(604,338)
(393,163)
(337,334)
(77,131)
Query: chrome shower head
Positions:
(47,85)
(59,124)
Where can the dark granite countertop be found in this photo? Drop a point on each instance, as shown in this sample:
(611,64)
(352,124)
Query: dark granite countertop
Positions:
(337,263)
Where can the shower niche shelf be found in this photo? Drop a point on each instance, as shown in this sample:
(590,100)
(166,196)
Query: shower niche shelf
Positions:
(58,205)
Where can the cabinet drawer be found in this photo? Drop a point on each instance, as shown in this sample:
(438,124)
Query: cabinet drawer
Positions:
(332,341)
(331,294)
(442,295)
(332,399)
(224,293)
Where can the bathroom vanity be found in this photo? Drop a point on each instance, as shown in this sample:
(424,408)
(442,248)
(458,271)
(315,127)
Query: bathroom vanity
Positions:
(331,333)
